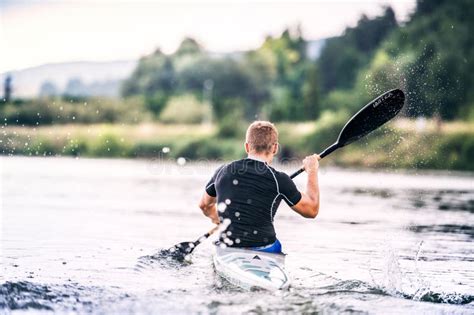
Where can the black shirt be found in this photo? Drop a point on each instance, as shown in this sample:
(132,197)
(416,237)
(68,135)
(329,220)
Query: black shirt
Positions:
(248,194)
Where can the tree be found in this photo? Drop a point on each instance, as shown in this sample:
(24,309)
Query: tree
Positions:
(311,93)
(440,72)
(7,89)
(344,56)
(75,88)
(155,79)
(48,89)
(189,46)
(232,79)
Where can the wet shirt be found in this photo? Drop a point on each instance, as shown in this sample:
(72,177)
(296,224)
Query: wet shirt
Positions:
(248,194)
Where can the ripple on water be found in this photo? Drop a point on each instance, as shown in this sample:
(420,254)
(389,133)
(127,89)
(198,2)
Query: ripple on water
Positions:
(25,295)
(457,229)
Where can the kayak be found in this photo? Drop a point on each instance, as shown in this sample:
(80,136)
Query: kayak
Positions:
(250,270)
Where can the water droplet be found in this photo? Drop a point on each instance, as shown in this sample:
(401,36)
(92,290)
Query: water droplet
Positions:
(221,207)
(227,201)
(235,182)
(165,150)
(237,214)
(181,161)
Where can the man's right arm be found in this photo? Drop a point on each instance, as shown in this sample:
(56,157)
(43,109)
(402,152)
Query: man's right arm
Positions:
(207,203)
(308,206)
(208,207)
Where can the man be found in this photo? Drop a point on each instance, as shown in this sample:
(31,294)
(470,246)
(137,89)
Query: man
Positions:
(244,195)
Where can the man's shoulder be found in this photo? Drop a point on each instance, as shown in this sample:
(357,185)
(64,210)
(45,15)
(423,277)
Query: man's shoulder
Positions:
(229,166)
(280,175)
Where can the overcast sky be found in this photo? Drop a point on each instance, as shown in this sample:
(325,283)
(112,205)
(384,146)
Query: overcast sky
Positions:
(38,32)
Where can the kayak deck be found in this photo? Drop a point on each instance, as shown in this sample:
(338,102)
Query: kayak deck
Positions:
(250,270)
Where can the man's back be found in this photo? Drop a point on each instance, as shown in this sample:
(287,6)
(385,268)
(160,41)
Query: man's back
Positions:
(248,193)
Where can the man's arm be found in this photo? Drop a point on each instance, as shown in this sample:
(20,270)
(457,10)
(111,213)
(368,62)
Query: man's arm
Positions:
(208,207)
(308,206)
(208,199)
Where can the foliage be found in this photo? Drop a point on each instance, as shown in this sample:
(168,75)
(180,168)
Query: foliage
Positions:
(427,58)
(343,56)
(294,92)
(233,124)
(185,109)
(47,111)
(250,79)
(228,79)
(327,130)
(401,144)
(438,75)
(154,79)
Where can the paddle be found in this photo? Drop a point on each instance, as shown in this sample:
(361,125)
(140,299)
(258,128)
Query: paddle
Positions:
(370,117)
(181,250)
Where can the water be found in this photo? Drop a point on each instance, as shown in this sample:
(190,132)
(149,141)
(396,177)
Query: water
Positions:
(75,234)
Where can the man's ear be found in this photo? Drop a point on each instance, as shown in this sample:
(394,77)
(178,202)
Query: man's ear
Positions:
(247,148)
(275,148)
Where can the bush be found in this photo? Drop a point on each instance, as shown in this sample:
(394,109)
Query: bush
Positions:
(327,130)
(232,123)
(55,111)
(185,109)
(210,148)
(151,148)
(456,151)
(109,145)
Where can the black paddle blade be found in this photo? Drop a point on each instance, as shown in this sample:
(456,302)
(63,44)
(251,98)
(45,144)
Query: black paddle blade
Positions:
(179,251)
(372,116)
(369,118)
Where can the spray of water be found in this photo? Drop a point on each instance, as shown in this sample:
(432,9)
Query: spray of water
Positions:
(396,281)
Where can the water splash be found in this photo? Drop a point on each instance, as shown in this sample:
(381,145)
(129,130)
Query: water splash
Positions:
(396,282)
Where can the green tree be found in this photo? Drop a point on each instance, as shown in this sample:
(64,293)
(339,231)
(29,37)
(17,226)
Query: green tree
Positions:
(344,56)
(440,73)
(154,78)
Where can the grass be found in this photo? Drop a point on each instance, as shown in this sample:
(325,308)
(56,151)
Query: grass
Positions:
(401,144)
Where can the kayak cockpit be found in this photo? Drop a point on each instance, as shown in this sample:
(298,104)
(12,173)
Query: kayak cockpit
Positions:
(249,269)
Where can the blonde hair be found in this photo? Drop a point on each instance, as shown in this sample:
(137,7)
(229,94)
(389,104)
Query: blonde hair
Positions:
(261,136)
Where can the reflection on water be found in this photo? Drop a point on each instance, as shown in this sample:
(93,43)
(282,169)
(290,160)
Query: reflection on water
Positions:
(81,236)
(444,228)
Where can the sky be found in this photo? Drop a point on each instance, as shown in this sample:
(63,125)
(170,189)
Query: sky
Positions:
(37,32)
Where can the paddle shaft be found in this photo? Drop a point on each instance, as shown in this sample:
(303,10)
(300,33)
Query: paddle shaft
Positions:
(206,236)
(370,117)
(326,152)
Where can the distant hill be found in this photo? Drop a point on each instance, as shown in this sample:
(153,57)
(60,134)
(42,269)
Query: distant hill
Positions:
(91,78)
(108,75)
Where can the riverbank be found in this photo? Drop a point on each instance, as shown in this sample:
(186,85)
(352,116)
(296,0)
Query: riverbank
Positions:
(403,143)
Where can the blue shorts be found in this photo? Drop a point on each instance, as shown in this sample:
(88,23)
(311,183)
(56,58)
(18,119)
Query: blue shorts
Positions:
(272,248)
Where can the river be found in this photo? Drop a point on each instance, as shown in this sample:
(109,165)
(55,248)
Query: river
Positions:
(76,233)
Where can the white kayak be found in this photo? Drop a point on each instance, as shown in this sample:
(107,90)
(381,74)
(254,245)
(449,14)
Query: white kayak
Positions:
(249,269)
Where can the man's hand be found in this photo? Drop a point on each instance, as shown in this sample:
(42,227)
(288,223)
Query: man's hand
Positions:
(216,220)
(308,206)
(311,164)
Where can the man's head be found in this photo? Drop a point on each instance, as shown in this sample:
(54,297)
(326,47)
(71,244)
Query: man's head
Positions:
(261,138)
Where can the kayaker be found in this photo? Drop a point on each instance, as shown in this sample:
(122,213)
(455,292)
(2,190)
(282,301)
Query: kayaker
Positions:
(245,194)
